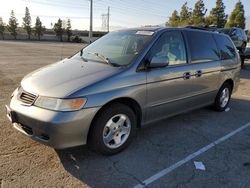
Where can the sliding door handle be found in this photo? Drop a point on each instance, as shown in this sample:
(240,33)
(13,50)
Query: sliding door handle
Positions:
(186,76)
(198,73)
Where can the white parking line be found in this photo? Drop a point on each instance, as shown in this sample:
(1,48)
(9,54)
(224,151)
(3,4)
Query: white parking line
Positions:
(169,169)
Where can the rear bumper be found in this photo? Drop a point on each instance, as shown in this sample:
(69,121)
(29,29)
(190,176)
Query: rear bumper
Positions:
(56,129)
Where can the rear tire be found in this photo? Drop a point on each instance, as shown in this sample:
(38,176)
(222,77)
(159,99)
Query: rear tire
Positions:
(243,48)
(223,97)
(242,54)
(242,60)
(113,129)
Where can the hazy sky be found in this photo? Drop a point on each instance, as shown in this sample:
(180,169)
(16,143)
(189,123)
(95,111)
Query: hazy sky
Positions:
(124,13)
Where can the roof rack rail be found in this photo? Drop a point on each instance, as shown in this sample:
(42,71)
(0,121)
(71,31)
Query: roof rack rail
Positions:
(195,27)
(204,28)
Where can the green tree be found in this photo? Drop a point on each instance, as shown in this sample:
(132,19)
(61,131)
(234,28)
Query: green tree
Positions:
(68,29)
(217,15)
(185,15)
(174,20)
(39,29)
(27,22)
(13,24)
(237,17)
(59,29)
(198,14)
(2,28)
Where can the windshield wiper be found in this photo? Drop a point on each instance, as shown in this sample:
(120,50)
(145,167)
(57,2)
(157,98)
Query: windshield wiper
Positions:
(102,57)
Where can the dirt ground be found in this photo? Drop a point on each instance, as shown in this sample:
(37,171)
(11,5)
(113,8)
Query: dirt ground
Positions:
(25,163)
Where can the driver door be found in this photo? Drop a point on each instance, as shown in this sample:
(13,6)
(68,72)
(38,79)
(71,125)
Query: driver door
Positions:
(169,88)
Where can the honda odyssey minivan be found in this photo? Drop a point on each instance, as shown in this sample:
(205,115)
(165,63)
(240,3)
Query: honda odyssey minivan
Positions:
(124,80)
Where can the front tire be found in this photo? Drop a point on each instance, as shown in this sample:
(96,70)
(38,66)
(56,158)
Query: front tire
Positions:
(113,129)
(223,97)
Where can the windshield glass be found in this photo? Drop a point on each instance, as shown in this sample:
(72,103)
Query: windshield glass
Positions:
(117,48)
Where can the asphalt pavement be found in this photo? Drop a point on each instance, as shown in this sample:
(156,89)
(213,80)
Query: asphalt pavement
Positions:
(162,154)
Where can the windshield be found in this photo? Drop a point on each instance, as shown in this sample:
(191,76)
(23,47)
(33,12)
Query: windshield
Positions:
(116,48)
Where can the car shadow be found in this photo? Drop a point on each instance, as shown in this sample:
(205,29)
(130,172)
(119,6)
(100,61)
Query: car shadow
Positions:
(155,147)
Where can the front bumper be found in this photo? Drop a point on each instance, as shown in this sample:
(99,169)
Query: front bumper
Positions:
(56,129)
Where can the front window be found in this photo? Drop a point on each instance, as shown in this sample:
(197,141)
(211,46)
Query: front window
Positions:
(116,48)
(170,46)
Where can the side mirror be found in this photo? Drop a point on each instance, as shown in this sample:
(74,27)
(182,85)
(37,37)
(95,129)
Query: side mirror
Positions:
(158,62)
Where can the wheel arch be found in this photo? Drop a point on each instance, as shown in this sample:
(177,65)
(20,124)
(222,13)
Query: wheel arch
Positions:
(230,82)
(132,103)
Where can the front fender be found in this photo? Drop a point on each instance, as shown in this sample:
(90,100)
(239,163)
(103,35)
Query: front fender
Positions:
(137,93)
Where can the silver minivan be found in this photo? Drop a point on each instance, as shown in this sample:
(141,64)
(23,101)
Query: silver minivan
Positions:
(124,80)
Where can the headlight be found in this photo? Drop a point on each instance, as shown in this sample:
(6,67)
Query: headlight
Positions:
(60,104)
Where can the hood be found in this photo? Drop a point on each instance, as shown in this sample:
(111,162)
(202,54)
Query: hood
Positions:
(65,77)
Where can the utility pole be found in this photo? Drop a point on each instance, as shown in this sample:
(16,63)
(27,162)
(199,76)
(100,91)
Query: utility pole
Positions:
(108,18)
(105,20)
(91,22)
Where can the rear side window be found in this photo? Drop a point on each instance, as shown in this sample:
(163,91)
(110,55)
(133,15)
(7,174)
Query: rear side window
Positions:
(226,47)
(202,47)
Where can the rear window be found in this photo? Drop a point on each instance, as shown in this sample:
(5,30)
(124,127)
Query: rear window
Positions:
(202,47)
(226,31)
(226,47)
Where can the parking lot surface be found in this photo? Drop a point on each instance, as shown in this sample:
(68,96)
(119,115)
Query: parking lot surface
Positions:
(157,147)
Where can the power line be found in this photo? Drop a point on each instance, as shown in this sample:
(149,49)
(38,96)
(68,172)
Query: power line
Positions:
(60,4)
(121,8)
(138,10)
(51,16)
(100,6)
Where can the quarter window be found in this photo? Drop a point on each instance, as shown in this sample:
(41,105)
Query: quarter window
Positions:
(226,47)
(169,46)
(202,47)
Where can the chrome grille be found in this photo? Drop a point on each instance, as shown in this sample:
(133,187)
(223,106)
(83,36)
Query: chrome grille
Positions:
(27,98)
